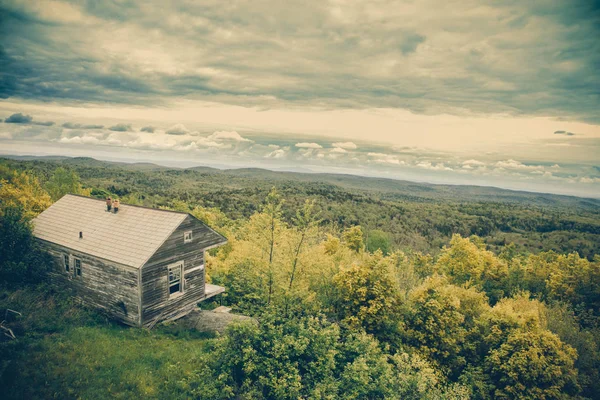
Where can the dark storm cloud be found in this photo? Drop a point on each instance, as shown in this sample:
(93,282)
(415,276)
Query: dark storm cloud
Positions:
(149,129)
(72,125)
(432,58)
(19,118)
(120,128)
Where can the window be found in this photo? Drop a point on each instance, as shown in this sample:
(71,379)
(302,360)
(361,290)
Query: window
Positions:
(77,267)
(66,261)
(175,283)
(187,237)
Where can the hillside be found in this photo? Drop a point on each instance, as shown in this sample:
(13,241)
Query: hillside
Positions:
(417,216)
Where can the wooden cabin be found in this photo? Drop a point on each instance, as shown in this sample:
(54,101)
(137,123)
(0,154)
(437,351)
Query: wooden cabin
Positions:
(141,265)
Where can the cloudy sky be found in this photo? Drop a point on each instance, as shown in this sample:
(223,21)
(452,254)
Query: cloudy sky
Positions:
(502,93)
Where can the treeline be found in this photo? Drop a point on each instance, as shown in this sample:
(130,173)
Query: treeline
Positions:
(341,312)
(423,221)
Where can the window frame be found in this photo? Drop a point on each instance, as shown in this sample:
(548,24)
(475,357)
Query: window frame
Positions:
(173,267)
(67,262)
(185,236)
(77,269)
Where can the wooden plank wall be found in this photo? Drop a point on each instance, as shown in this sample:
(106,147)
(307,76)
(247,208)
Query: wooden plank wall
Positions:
(155,289)
(108,286)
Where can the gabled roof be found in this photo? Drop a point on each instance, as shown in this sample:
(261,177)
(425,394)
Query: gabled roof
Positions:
(129,237)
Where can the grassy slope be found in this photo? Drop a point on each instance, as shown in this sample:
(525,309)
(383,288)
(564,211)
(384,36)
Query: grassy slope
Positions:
(64,351)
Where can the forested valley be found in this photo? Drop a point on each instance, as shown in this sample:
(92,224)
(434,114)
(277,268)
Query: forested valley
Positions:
(359,288)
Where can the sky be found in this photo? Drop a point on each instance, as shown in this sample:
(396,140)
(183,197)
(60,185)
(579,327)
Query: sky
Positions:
(494,93)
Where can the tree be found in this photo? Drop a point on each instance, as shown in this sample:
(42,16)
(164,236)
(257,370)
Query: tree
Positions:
(379,240)
(567,278)
(245,286)
(466,261)
(353,238)
(272,212)
(561,320)
(64,181)
(367,295)
(306,219)
(441,322)
(22,191)
(366,372)
(532,365)
(21,261)
(278,358)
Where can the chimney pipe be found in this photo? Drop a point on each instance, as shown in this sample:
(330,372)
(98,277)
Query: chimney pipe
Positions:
(80,235)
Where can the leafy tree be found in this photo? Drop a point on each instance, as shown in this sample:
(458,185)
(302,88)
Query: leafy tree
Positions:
(64,181)
(353,238)
(415,378)
(366,370)
(23,191)
(306,220)
(466,261)
(245,286)
(532,365)
(21,261)
(561,321)
(567,278)
(331,245)
(276,359)
(441,322)
(272,212)
(367,295)
(379,240)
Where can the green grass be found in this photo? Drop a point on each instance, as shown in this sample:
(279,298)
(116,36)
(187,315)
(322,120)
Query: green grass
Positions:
(64,351)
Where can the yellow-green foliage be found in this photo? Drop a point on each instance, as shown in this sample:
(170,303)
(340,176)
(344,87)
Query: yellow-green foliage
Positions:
(367,293)
(353,238)
(467,261)
(64,181)
(568,278)
(439,319)
(532,364)
(24,191)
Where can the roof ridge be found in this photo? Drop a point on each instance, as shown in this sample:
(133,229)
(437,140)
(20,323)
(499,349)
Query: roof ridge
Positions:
(129,205)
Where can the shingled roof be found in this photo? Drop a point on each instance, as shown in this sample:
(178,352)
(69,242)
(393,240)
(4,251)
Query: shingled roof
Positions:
(129,237)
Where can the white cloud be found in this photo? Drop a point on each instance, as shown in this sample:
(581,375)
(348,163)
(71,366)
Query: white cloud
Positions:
(278,153)
(232,136)
(433,167)
(382,158)
(338,150)
(473,163)
(345,145)
(519,166)
(177,129)
(305,145)
(587,179)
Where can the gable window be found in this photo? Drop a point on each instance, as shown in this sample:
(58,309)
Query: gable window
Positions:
(175,283)
(187,237)
(66,261)
(77,267)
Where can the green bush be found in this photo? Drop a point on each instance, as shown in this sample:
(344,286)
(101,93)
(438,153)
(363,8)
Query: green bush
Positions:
(21,261)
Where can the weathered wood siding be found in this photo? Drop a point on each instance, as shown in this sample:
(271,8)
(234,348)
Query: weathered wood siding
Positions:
(103,284)
(155,286)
